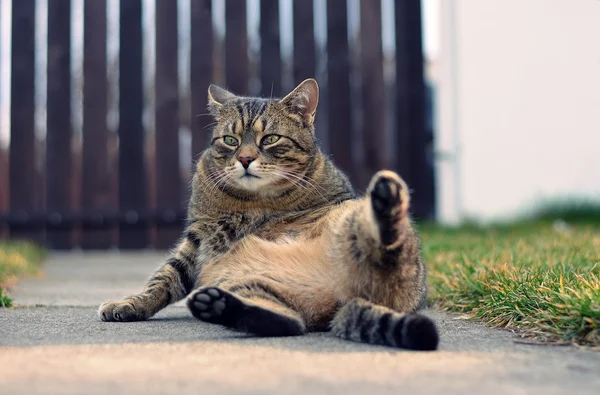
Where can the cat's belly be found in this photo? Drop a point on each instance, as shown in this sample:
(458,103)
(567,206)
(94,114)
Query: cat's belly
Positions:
(296,267)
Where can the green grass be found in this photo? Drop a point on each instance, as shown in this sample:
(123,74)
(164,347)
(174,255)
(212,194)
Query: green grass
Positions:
(5,301)
(17,260)
(534,277)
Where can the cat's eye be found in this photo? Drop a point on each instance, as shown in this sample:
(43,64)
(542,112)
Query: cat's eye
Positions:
(231,141)
(270,139)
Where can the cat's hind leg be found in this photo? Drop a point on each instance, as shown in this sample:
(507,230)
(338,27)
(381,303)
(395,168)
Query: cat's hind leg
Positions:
(255,314)
(376,249)
(363,321)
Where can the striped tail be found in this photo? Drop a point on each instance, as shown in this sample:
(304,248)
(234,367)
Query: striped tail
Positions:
(363,321)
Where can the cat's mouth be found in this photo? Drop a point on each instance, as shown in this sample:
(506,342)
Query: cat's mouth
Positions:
(248,175)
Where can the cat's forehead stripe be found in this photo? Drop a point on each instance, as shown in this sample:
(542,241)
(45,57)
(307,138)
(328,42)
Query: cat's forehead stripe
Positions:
(258,125)
(249,110)
(255,107)
(239,126)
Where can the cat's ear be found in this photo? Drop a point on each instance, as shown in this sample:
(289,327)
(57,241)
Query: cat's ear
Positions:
(217,97)
(303,100)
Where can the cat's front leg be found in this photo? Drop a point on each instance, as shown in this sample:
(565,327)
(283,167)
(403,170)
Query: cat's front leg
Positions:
(174,280)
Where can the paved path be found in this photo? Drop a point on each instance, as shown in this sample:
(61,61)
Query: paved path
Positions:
(53,343)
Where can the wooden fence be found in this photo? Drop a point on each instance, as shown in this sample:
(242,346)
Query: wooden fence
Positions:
(126,188)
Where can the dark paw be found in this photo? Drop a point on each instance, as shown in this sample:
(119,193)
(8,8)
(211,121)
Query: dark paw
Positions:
(214,305)
(122,311)
(417,332)
(385,195)
(217,306)
(389,199)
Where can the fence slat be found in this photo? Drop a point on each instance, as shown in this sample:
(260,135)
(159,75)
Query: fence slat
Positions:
(305,61)
(304,41)
(59,236)
(95,181)
(132,174)
(374,140)
(410,107)
(201,72)
(338,76)
(24,189)
(168,180)
(270,53)
(3,176)
(236,47)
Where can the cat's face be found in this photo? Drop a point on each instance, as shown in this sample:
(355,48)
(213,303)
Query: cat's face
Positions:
(262,146)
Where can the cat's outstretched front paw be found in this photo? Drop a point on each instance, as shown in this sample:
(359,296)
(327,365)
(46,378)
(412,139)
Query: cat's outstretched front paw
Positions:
(120,311)
(389,200)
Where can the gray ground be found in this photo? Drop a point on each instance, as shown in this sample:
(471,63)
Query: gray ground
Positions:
(53,343)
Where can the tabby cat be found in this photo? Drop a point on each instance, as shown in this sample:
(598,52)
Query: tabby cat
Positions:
(277,243)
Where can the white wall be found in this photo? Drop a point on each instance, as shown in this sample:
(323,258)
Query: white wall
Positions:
(518,105)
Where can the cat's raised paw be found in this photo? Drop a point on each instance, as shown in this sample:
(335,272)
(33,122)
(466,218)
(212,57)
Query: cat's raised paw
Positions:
(389,194)
(389,200)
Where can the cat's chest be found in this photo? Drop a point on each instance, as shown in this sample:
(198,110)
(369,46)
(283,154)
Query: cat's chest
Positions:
(223,231)
(286,225)
(263,225)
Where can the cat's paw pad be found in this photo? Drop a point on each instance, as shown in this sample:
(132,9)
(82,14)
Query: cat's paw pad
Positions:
(389,194)
(122,311)
(209,304)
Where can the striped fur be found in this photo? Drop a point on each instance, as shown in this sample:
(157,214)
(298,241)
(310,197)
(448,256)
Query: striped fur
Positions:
(278,243)
(362,321)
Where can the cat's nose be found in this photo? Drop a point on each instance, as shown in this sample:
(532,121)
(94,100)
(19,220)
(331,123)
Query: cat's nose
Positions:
(246,160)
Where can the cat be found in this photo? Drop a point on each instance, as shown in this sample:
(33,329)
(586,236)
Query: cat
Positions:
(277,242)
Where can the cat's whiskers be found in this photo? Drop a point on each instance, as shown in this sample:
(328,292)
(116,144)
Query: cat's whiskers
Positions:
(297,181)
(305,178)
(210,125)
(222,180)
(271,170)
(307,183)
(308,179)
(294,181)
(210,177)
(209,182)
(214,179)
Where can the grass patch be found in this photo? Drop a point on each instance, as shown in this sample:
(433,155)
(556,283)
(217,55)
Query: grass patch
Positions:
(535,277)
(17,260)
(5,301)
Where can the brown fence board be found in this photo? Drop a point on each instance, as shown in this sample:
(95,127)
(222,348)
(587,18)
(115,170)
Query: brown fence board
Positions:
(270,55)
(133,233)
(236,47)
(338,76)
(168,180)
(24,190)
(374,136)
(410,106)
(304,40)
(3,178)
(305,60)
(201,72)
(95,182)
(59,235)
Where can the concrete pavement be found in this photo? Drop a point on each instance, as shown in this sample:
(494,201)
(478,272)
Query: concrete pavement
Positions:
(53,343)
